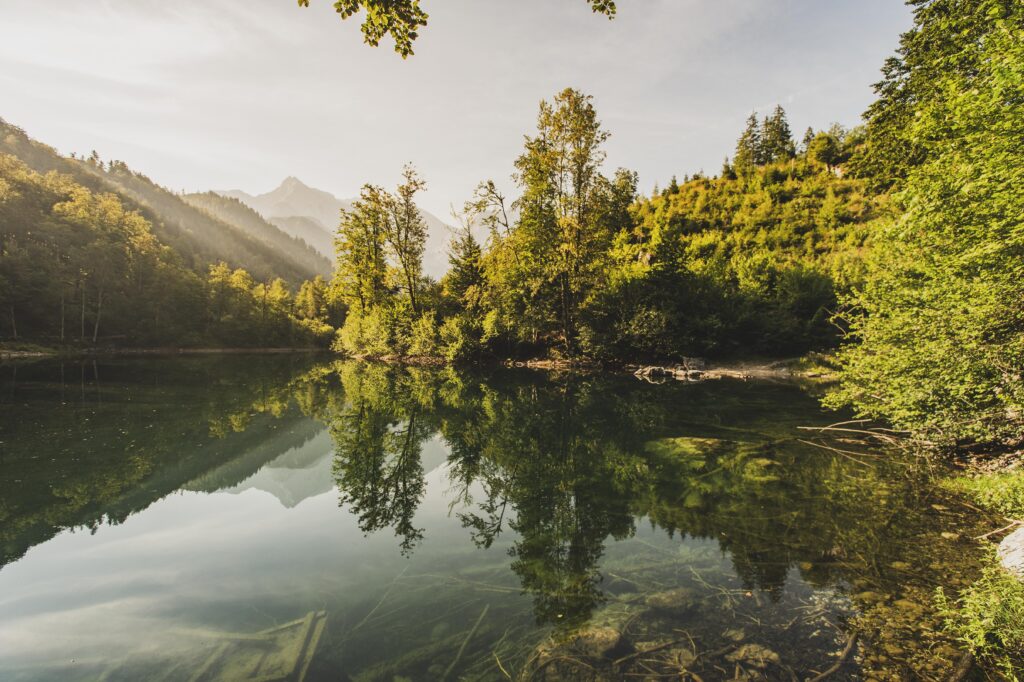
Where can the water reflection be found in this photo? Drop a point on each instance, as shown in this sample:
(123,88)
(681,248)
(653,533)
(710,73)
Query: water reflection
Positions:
(504,513)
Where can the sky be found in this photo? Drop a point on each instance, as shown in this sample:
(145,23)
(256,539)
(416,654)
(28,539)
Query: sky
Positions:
(239,94)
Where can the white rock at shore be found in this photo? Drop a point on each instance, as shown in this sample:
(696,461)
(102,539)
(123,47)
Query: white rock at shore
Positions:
(1011,552)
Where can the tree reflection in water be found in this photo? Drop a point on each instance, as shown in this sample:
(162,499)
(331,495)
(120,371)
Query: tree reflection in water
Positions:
(567,463)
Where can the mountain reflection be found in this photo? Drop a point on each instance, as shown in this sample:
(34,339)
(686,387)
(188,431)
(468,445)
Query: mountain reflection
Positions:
(562,464)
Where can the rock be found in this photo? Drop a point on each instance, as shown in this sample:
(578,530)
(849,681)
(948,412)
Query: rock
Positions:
(755,655)
(900,566)
(675,601)
(599,642)
(909,607)
(1011,552)
(683,658)
(736,635)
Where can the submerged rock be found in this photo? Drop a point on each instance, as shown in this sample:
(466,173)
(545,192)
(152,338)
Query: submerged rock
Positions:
(678,601)
(1011,552)
(736,634)
(754,655)
(599,642)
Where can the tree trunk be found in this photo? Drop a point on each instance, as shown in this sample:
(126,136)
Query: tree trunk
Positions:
(62,313)
(81,331)
(99,309)
(14,325)
(412,291)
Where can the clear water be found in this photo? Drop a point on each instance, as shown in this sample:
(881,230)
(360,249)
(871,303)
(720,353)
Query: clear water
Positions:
(159,517)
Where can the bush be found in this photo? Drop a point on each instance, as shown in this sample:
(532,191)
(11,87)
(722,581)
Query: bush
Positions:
(460,338)
(1001,492)
(423,339)
(988,618)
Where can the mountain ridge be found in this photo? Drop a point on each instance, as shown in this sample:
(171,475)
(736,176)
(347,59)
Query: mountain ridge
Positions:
(311,214)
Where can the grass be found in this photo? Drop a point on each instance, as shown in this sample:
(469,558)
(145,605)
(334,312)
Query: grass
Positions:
(999,492)
(988,617)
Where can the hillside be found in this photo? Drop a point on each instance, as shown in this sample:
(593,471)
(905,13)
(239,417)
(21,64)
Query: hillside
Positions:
(309,230)
(234,212)
(79,267)
(198,238)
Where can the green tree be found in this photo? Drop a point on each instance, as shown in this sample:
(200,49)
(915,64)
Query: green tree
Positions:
(405,232)
(749,148)
(939,326)
(360,273)
(465,277)
(559,229)
(776,138)
(940,45)
(825,149)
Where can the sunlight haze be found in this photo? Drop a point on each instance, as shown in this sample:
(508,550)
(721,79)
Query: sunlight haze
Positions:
(239,95)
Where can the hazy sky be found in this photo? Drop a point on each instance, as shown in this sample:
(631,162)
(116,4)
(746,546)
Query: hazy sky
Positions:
(223,94)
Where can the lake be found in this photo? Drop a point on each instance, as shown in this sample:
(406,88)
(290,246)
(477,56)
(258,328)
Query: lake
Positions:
(293,517)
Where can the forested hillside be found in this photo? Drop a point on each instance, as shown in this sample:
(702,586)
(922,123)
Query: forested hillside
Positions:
(199,238)
(308,230)
(80,267)
(234,212)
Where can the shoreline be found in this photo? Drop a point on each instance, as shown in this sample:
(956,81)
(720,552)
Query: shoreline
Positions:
(812,366)
(156,352)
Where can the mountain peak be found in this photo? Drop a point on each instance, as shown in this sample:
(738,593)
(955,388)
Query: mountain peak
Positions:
(292,182)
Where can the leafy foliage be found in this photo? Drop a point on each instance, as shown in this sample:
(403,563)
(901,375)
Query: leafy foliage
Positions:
(988,618)
(402,19)
(938,325)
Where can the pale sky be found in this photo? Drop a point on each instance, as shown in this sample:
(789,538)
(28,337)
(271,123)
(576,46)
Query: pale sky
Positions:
(225,94)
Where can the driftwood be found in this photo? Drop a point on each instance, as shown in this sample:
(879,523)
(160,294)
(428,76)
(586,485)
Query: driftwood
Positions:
(962,669)
(850,643)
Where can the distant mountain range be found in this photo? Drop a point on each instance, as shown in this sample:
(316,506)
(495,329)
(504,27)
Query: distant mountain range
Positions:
(312,215)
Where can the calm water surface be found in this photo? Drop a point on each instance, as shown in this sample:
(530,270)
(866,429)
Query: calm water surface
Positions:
(289,518)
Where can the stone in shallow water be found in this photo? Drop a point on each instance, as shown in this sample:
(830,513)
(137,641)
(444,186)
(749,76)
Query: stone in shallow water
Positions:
(676,601)
(755,655)
(736,635)
(1011,552)
(598,642)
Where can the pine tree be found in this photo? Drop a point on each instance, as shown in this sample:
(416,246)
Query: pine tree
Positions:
(466,275)
(808,137)
(749,146)
(776,138)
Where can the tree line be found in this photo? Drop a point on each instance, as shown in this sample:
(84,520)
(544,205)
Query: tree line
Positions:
(578,264)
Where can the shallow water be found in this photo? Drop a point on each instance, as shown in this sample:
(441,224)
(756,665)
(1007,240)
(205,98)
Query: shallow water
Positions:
(160,517)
